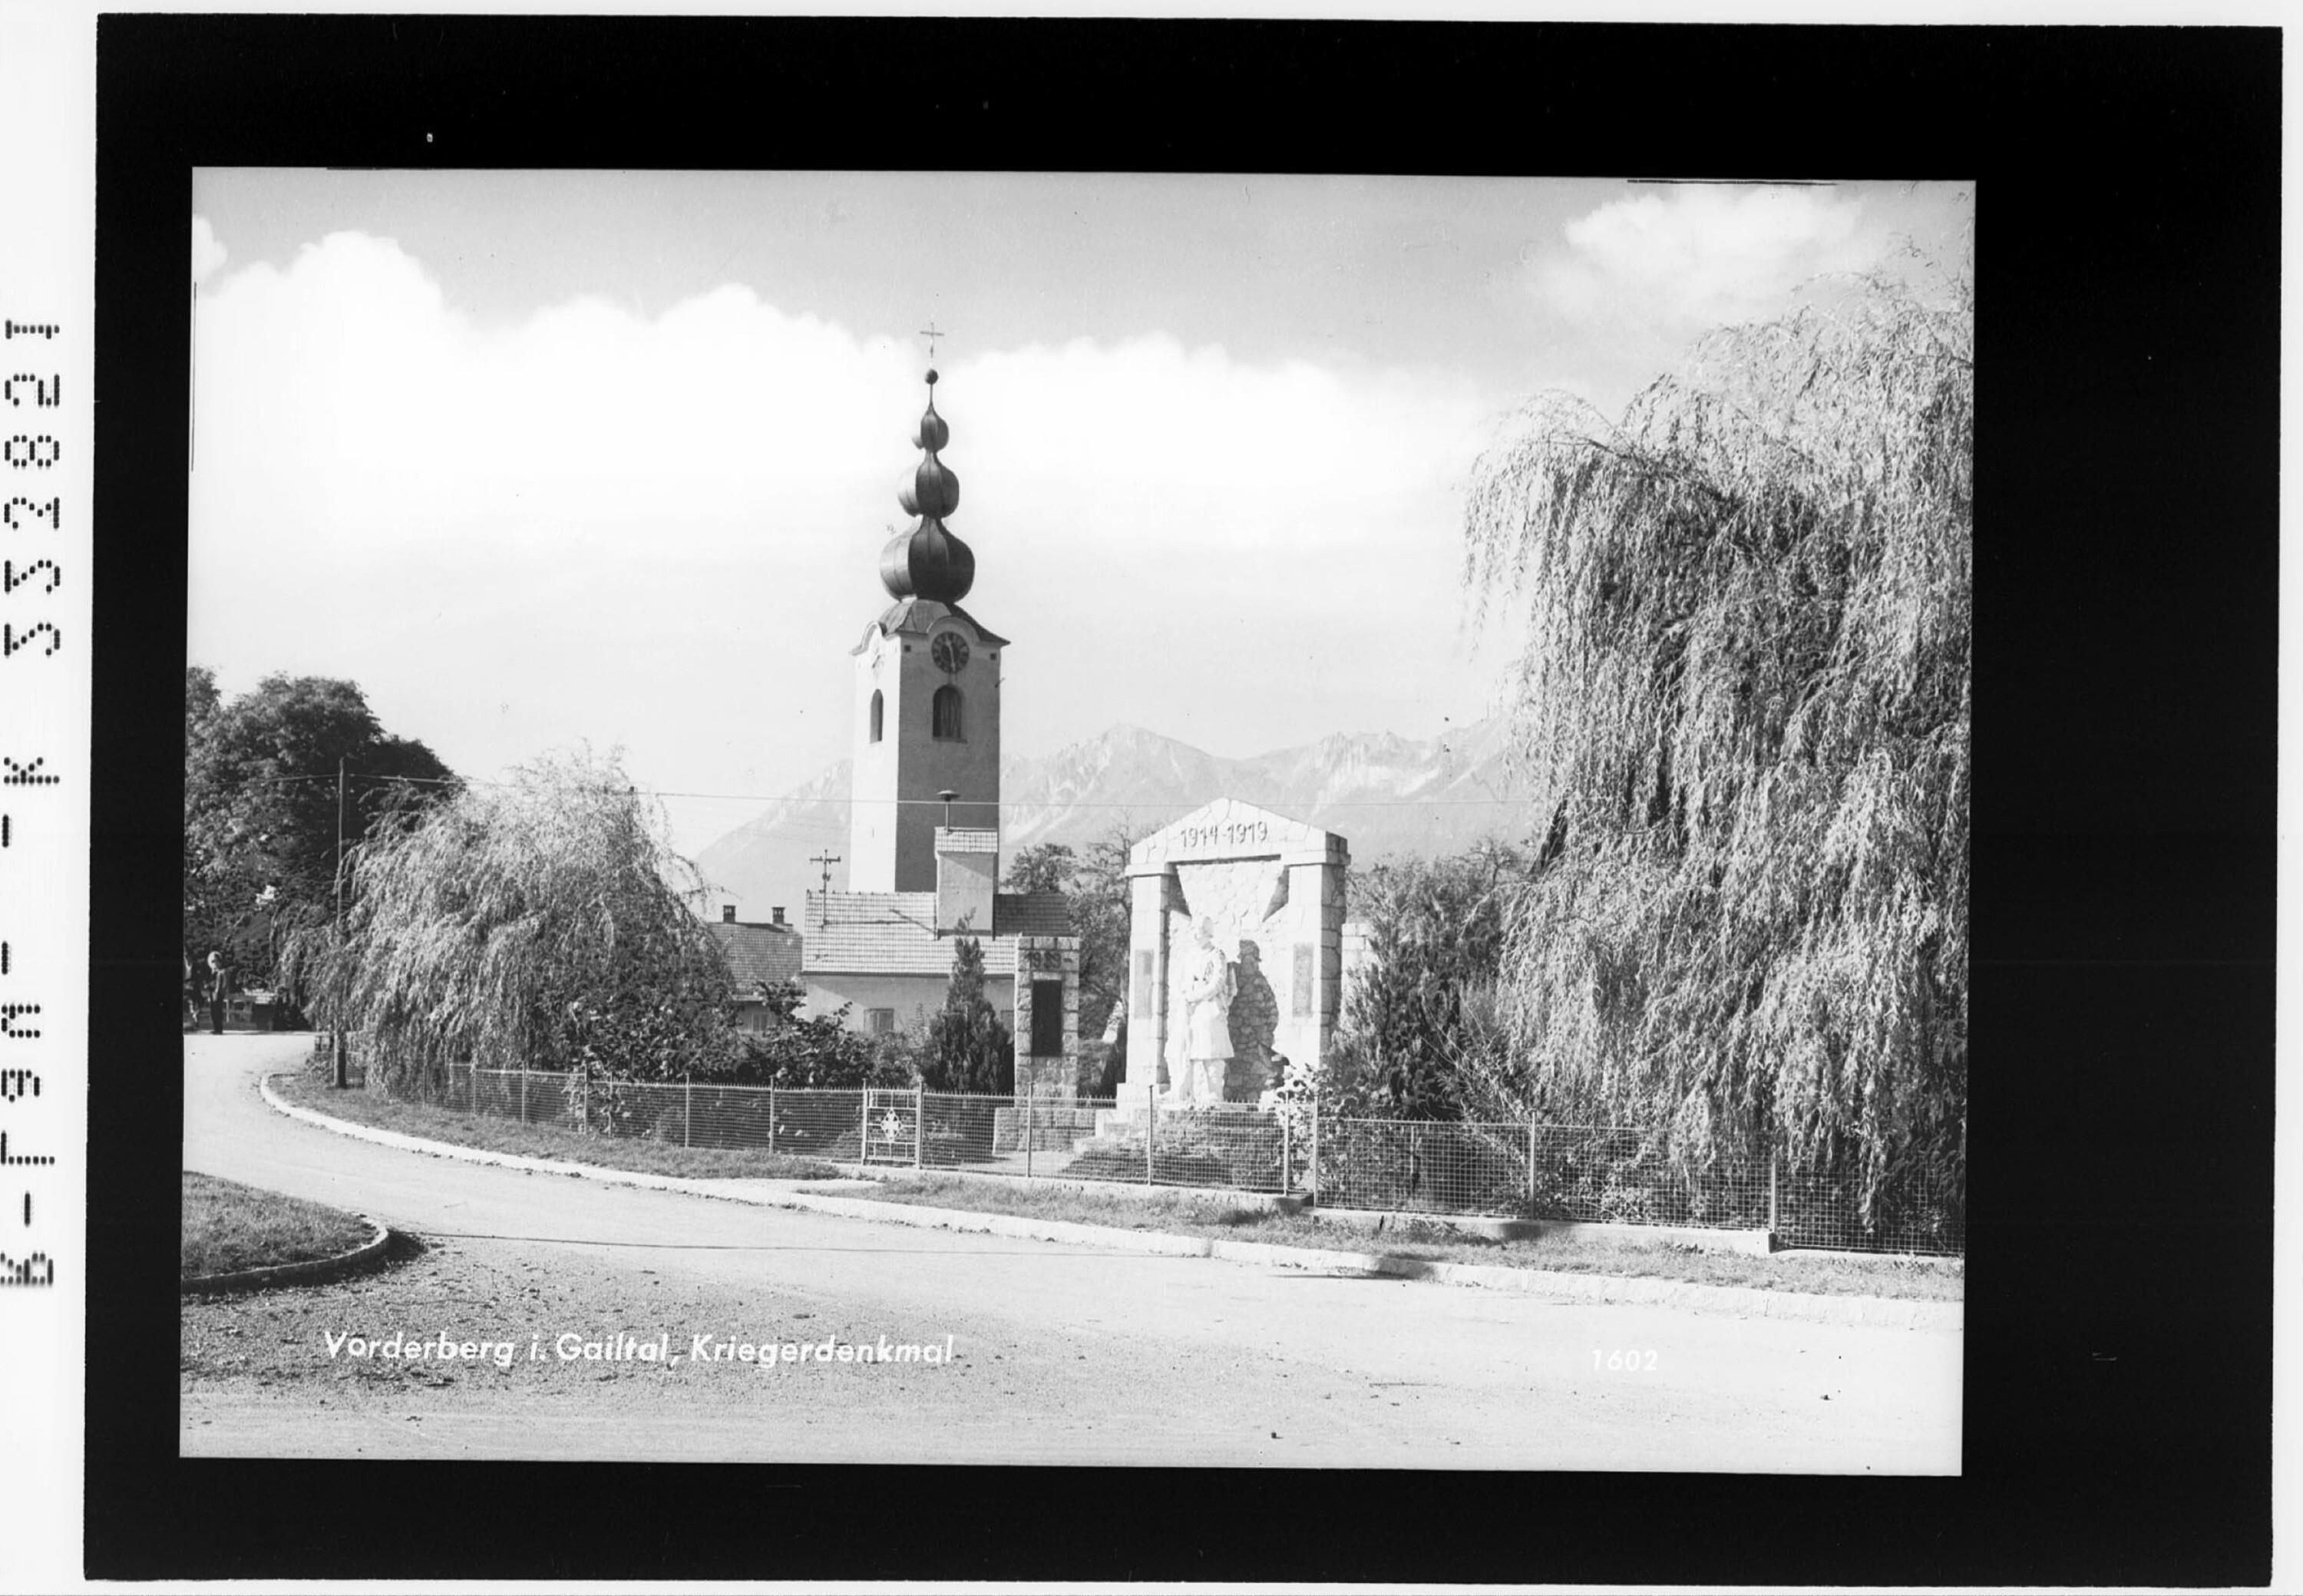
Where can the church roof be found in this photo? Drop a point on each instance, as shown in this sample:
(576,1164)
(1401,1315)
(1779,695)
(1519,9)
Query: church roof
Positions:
(894,933)
(930,561)
(915,615)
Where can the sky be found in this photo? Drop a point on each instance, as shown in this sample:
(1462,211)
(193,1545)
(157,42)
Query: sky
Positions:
(546,458)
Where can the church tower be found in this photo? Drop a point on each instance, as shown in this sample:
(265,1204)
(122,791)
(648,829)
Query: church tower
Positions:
(927,701)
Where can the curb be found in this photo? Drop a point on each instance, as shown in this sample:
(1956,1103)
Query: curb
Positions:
(875,1174)
(1745,1301)
(310,1271)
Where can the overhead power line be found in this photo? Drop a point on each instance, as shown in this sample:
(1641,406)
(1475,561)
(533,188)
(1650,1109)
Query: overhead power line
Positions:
(796,798)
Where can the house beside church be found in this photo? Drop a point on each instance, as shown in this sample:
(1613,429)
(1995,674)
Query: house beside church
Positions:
(923,843)
(759,954)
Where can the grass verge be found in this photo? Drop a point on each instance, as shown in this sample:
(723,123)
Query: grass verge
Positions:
(1181,1212)
(1210,1214)
(436,1124)
(229,1227)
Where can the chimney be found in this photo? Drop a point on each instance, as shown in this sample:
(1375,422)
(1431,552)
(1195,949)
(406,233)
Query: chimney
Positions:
(778,914)
(728,914)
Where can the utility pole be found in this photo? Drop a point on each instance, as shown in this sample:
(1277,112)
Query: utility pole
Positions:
(827,860)
(341,1080)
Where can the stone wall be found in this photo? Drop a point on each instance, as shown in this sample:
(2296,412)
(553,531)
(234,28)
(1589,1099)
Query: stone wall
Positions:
(1053,1129)
(1046,957)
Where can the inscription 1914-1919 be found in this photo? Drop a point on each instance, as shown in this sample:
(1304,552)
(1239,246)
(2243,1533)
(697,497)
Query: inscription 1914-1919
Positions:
(1237,833)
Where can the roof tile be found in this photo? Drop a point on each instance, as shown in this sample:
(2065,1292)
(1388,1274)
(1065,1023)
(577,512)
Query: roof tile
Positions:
(894,933)
(758,953)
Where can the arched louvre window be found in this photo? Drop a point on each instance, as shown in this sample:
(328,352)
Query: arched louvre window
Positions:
(879,711)
(946,722)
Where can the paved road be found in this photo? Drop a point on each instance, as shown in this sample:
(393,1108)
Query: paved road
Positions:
(1061,1355)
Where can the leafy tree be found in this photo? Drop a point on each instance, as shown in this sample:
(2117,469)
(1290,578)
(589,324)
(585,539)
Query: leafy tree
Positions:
(968,1050)
(1096,884)
(201,701)
(260,806)
(1043,867)
(1419,1038)
(544,922)
(1102,911)
(1745,704)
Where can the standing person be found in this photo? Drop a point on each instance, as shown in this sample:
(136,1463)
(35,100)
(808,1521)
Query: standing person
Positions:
(219,990)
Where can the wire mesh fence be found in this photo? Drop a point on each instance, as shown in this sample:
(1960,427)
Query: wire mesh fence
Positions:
(1914,1211)
(1592,1174)
(1623,1175)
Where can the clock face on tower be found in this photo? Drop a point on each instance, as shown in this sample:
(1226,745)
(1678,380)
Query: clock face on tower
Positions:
(950,652)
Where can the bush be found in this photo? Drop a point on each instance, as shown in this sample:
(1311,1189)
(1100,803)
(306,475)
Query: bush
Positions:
(817,1051)
(1102,1065)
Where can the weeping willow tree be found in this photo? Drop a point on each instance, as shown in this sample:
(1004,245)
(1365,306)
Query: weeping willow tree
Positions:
(1745,704)
(542,923)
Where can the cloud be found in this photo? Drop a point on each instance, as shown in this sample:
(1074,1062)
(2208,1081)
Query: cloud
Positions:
(207,255)
(1699,255)
(347,386)
(664,529)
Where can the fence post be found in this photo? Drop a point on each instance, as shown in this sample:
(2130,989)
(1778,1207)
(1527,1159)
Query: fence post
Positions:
(1286,1161)
(1772,1227)
(1151,1132)
(687,1109)
(1027,1127)
(1531,1168)
(919,1121)
(523,1097)
(863,1140)
(1312,1168)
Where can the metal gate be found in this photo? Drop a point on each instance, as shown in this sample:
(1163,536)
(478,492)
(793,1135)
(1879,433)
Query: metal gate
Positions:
(891,1125)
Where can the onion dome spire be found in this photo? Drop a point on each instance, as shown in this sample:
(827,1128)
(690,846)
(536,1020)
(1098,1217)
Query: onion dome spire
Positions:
(928,561)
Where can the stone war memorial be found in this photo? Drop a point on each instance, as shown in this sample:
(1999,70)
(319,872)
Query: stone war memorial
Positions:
(1235,958)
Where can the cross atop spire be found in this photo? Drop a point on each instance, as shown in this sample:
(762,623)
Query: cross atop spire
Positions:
(930,333)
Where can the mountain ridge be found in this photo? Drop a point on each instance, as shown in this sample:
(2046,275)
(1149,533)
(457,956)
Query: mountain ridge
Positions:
(1389,796)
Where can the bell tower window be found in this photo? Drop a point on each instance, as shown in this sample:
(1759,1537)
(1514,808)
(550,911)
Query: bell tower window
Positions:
(879,713)
(945,711)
